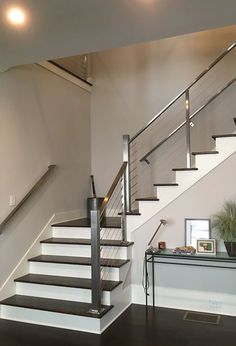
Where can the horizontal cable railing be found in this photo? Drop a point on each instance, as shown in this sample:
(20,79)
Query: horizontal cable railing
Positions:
(108,223)
(177,114)
(144,158)
(26,197)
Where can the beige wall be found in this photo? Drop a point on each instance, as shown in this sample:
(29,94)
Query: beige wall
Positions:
(44,120)
(133,83)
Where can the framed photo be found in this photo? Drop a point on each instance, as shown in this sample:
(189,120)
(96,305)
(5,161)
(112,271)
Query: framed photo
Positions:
(196,229)
(206,247)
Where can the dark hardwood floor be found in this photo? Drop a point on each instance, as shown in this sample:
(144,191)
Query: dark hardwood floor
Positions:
(158,327)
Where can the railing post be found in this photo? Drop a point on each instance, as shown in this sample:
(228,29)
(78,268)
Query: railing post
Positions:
(124,207)
(126,158)
(95,262)
(188,138)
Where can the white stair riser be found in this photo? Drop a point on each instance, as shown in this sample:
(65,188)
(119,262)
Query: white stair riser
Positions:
(111,233)
(51,319)
(146,207)
(71,232)
(226,145)
(207,162)
(58,292)
(166,192)
(83,251)
(187,177)
(71,270)
(85,233)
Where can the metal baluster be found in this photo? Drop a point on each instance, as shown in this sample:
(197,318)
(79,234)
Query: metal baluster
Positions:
(188,138)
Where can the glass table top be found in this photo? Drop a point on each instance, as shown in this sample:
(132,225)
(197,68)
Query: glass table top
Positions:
(168,253)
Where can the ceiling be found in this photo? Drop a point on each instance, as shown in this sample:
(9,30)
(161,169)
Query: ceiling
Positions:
(59,28)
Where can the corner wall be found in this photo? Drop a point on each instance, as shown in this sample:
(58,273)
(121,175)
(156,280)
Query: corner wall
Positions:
(44,120)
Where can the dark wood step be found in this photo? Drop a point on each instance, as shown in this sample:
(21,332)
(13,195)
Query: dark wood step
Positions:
(54,305)
(224,136)
(82,241)
(133,212)
(166,184)
(152,199)
(105,262)
(107,222)
(184,169)
(64,281)
(205,152)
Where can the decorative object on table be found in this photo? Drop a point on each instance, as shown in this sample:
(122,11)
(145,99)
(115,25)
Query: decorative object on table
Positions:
(161,245)
(225,223)
(184,250)
(206,247)
(196,229)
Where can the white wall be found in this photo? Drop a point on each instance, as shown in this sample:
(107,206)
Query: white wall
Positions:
(133,83)
(194,288)
(44,120)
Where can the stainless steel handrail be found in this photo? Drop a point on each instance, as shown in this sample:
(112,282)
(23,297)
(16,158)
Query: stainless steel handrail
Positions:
(144,158)
(112,188)
(26,197)
(227,51)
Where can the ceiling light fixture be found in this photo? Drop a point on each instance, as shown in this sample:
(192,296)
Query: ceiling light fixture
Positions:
(16,16)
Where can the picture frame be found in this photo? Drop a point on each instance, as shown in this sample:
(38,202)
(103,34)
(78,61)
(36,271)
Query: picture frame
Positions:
(206,247)
(196,229)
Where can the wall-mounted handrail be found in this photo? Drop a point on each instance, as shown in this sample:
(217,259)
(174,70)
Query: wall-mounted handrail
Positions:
(216,61)
(26,197)
(219,92)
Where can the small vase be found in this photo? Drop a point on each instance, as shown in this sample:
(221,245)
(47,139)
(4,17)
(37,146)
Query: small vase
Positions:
(231,248)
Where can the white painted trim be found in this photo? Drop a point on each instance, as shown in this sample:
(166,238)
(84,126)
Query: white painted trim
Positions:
(22,267)
(115,318)
(67,76)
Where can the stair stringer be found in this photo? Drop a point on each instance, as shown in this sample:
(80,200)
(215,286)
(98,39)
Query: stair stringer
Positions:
(185,179)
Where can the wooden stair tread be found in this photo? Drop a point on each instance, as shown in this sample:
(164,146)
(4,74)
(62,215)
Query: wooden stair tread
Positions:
(107,222)
(184,169)
(53,305)
(224,136)
(133,212)
(64,281)
(154,199)
(82,241)
(205,152)
(105,262)
(166,184)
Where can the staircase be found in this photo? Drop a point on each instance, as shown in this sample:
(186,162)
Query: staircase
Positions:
(225,146)
(57,290)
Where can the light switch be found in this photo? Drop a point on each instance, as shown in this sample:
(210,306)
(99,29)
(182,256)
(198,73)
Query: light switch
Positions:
(12,200)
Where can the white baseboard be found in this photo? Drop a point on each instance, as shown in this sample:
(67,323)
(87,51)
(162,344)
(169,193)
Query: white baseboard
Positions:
(211,302)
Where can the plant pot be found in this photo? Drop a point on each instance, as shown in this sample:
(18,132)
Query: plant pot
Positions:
(231,248)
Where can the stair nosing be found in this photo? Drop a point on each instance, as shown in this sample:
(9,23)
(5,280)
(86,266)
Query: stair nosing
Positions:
(22,280)
(148,199)
(166,184)
(224,136)
(6,302)
(112,265)
(184,169)
(205,152)
(65,241)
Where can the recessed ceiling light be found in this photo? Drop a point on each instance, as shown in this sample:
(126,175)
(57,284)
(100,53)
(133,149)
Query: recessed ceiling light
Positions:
(16,16)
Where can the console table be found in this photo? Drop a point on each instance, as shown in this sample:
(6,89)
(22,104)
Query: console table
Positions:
(220,260)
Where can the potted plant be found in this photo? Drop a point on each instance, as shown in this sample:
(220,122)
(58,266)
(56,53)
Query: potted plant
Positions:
(225,222)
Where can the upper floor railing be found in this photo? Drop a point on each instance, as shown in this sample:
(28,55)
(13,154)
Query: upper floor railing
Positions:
(183,100)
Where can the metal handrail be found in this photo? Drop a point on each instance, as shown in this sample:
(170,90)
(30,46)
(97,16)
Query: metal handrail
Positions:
(226,52)
(144,158)
(112,188)
(26,197)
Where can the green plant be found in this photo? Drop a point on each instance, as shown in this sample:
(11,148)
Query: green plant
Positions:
(225,222)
